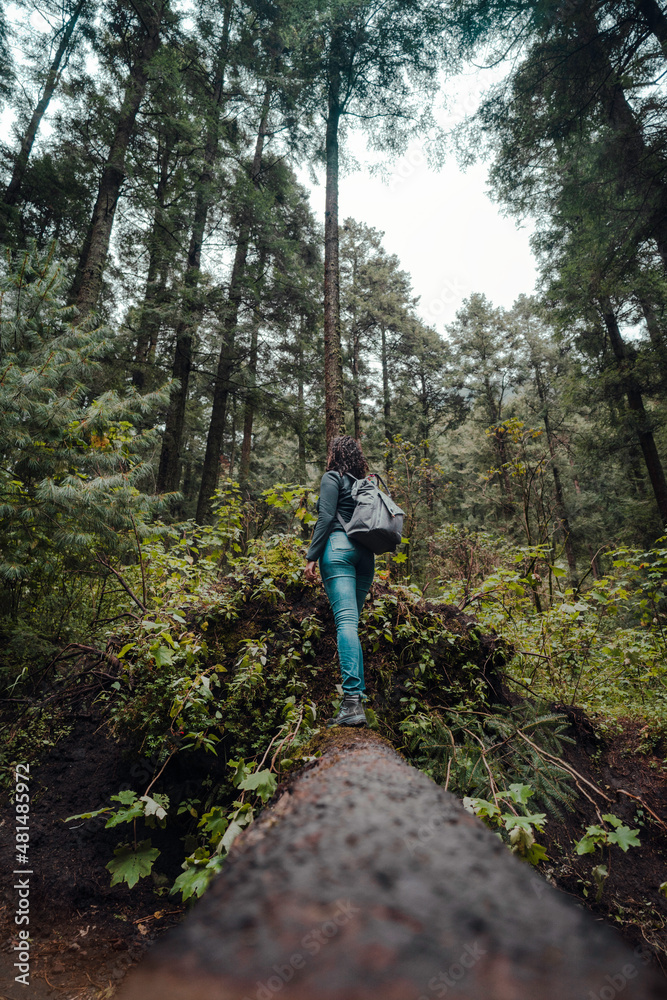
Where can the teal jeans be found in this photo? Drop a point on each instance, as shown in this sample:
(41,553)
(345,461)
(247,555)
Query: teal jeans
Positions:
(347,574)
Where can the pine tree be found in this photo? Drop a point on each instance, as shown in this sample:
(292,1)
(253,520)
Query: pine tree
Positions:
(74,472)
(376,62)
(146,40)
(214,99)
(69,20)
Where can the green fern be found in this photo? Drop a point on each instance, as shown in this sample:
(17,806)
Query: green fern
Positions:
(475,753)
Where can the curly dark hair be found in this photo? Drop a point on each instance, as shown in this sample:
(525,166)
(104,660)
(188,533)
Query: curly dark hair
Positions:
(345,455)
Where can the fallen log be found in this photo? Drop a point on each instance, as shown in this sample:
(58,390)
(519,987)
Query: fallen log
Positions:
(367,881)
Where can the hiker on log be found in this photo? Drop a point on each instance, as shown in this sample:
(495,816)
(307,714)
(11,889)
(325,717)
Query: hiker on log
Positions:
(346,567)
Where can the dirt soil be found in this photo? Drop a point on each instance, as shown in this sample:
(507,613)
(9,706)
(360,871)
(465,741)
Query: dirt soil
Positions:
(84,934)
(632,774)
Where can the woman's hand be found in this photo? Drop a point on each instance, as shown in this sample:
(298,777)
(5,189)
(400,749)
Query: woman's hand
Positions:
(310,571)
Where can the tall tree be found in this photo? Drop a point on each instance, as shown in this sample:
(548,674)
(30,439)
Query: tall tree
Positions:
(191,310)
(375,62)
(149,236)
(544,363)
(88,277)
(377,311)
(229,322)
(61,44)
(484,357)
(6,63)
(640,418)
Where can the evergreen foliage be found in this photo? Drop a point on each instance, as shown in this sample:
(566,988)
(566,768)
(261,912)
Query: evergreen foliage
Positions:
(73,466)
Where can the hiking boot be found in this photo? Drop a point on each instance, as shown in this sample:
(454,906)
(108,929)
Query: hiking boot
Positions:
(350,713)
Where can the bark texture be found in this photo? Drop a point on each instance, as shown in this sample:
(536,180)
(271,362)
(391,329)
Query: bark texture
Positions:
(367,881)
(148,326)
(250,400)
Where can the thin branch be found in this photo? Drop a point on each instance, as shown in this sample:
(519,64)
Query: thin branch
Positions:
(622,791)
(103,561)
(563,764)
(161,770)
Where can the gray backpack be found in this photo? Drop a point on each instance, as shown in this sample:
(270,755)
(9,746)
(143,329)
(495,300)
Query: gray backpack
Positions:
(377,522)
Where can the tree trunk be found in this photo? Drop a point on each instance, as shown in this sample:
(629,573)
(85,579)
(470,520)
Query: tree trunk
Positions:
(356,402)
(249,406)
(232,444)
(500,448)
(88,278)
(425,423)
(656,335)
(655,19)
(636,406)
(494,413)
(595,564)
(148,326)
(635,160)
(386,398)
(191,307)
(149,320)
(564,522)
(301,422)
(188,475)
(13,191)
(169,471)
(333,363)
(251,397)
(209,480)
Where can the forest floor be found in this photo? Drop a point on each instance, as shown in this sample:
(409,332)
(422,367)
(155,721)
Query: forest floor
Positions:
(84,935)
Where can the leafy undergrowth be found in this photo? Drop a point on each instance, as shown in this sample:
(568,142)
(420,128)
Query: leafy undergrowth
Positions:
(153,749)
(599,642)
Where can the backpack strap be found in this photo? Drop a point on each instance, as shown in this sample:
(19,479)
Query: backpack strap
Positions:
(380,480)
(342,480)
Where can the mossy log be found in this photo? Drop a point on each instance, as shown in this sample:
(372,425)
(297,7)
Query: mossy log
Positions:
(365,879)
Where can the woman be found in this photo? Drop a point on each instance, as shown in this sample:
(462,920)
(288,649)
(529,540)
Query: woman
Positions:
(347,569)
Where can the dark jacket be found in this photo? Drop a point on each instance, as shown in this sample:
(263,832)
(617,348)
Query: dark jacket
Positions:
(335,498)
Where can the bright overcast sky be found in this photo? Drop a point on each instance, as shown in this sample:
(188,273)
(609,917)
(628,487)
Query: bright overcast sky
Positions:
(447,233)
